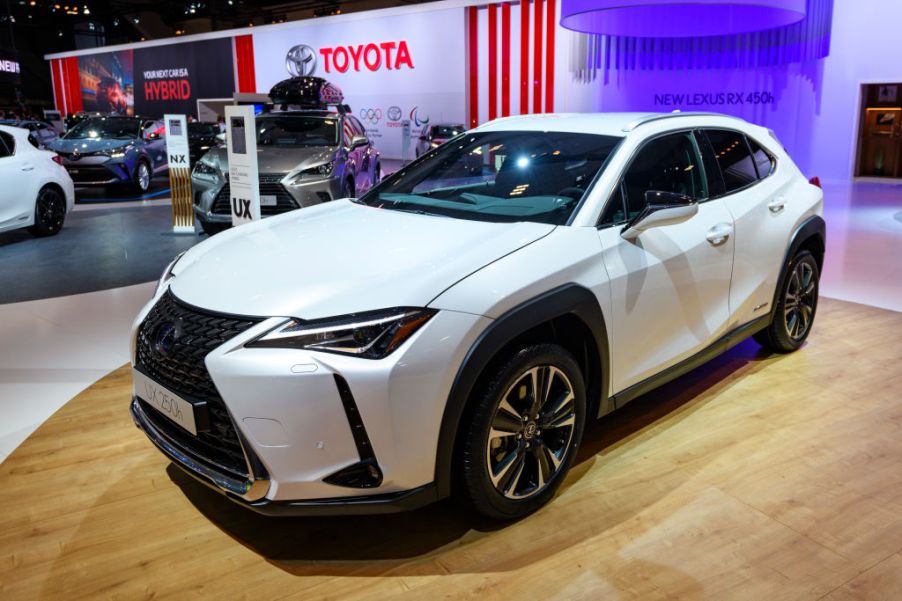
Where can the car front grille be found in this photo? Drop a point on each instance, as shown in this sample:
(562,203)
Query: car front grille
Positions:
(269,186)
(183,371)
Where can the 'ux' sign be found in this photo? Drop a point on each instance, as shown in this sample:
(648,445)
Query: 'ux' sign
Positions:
(241,208)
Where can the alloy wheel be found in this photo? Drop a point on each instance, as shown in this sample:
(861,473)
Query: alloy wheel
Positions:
(51,210)
(798,305)
(143,176)
(531,432)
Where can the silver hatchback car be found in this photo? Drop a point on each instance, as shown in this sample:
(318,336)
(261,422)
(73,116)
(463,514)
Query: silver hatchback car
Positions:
(305,157)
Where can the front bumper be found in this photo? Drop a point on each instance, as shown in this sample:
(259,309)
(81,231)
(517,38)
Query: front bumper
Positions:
(97,170)
(212,195)
(297,434)
(250,495)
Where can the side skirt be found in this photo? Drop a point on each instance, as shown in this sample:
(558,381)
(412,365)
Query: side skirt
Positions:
(721,345)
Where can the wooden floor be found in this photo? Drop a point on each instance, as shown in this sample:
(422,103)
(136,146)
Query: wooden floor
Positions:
(755,477)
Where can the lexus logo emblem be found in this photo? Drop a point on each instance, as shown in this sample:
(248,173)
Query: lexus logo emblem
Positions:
(301,60)
(165,337)
(75,155)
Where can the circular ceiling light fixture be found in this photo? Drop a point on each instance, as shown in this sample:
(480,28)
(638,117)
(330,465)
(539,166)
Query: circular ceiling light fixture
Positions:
(678,18)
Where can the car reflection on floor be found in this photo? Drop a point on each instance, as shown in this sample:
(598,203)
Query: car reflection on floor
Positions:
(159,188)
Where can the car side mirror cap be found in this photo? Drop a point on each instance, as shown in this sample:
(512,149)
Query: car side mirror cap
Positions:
(662,208)
(358,141)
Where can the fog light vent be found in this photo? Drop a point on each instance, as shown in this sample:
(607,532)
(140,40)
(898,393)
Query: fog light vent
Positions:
(363,474)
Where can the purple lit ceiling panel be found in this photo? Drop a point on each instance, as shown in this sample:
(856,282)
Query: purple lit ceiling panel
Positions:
(679,18)
(805,40)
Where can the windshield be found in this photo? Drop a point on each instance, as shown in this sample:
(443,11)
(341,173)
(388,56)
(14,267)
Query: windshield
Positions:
(499,176)
(446,131)
(296,131)
(203,129)
(105,127)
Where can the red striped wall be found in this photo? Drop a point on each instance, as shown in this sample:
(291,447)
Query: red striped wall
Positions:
(472,67)
(492,45)
(244,63)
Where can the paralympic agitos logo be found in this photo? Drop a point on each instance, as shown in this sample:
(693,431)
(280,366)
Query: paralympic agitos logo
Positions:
(372,57)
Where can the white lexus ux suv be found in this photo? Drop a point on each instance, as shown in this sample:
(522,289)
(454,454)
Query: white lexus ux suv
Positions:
(451,331)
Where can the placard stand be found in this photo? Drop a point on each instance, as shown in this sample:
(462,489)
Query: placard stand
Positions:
(179,173)
(244,181)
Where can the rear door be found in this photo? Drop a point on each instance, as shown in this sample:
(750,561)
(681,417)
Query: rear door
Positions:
(670,285)
(755,193)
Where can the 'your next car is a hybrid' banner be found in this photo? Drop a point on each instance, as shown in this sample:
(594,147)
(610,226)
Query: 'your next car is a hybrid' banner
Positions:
(391,69)
(156,80)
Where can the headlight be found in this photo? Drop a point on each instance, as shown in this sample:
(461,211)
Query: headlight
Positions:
(115,153)
(435,145)
(167,274)
(371,335)
(205,168)
(321,169)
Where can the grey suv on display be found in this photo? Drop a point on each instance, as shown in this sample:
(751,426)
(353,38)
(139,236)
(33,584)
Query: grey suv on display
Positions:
(305,156)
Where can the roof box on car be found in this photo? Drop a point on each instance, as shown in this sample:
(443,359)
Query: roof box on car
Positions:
(306,92)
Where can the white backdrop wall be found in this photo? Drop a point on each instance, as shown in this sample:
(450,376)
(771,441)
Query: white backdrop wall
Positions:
(433,90)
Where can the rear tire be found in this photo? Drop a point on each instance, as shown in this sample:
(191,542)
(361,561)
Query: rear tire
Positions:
(515,447)
(796,306)
(49,212)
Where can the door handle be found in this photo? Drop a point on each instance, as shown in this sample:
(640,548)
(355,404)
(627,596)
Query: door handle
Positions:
(27,167)
(777,204)
(719,234)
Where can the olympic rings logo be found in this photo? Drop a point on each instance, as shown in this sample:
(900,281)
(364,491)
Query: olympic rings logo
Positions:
(371,116)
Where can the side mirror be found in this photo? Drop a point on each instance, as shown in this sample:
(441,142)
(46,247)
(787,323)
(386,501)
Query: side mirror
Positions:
(424,138)
(358,141)
(662,208)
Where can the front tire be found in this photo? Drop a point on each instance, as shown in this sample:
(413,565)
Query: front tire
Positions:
(797,304)
(49,212)
(211,229)
(142,177)
(348,190)
(521,435)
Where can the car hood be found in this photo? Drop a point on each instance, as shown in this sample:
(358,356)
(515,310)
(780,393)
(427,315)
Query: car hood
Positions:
(283,160)
(87,145)
(339,258)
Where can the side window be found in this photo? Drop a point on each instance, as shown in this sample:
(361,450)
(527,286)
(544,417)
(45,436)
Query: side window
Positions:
(764,161)
(614,211)
(712,169)
(347,131)
(666,164)
(7,145)
(733,156)
(358,127)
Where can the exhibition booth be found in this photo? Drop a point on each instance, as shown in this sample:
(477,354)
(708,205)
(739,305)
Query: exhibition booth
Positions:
(539,299)
(467,62)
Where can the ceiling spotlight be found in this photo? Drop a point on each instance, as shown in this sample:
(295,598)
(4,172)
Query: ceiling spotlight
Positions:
(87,10)
(116,22)
(136,20)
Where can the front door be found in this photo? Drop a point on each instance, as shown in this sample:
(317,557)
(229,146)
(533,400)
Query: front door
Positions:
(16,194)
(670,286)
